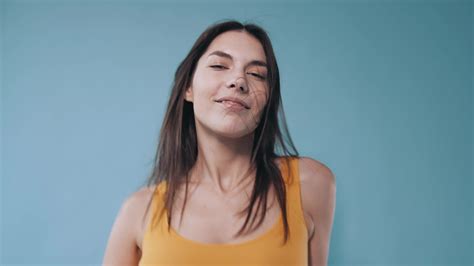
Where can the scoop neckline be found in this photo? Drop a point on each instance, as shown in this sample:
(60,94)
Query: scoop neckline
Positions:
(228,245)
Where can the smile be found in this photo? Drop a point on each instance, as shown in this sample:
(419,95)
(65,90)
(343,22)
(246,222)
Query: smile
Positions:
(233,106)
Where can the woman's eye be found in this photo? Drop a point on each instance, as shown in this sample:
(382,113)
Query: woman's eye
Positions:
(217,66)
(253,74)
(258,75)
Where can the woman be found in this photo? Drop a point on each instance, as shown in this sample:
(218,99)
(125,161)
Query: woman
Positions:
(245,204)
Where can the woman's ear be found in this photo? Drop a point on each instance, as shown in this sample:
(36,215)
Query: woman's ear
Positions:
(188,96)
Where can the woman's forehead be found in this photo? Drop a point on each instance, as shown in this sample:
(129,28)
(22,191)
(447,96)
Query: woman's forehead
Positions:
(238,45)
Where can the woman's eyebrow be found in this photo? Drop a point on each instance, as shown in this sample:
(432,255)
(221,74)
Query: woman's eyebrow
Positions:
(226,55)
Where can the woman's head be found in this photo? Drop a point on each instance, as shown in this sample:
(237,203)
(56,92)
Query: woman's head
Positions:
(234,68)
(201,78)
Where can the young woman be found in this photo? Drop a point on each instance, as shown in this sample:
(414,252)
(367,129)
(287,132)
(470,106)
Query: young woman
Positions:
(219,193)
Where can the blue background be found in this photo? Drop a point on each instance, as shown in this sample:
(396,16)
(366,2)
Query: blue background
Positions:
(379,91)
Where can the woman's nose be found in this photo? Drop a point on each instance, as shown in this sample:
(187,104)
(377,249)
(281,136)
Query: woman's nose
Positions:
(238,83)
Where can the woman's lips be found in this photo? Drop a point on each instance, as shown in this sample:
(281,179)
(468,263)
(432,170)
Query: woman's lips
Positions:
(233,106)
(235,100)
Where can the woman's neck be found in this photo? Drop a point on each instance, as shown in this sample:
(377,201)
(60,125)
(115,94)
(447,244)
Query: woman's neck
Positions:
(223,163)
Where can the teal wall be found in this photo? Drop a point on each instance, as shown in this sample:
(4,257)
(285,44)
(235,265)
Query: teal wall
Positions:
(379,91)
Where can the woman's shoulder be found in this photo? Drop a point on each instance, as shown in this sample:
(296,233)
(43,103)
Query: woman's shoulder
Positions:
(318,189)
(140,198)
(138,202)
(145,192)
(141,194)
(312,170)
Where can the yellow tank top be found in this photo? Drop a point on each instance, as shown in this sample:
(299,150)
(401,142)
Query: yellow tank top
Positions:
(160,247)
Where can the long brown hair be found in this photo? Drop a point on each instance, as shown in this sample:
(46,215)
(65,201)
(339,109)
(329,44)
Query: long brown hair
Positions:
(177,148)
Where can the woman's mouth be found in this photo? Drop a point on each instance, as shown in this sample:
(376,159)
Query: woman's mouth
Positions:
(232,106)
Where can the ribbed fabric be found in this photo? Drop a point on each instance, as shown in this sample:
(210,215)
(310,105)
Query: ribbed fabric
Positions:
(162,248)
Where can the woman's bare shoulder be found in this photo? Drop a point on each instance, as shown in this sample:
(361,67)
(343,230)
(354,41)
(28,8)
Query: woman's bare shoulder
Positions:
(126,232)
(318,188)
(314,171)
(139,201)
(142,197)
(143,194)
(136,203)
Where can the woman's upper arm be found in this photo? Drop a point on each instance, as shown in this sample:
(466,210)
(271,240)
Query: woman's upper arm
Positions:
(320,201)
(121,246)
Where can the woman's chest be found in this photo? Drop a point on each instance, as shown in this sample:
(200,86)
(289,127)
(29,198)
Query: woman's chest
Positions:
(210,219)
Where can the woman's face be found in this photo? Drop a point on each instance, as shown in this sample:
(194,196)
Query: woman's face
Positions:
(234,66)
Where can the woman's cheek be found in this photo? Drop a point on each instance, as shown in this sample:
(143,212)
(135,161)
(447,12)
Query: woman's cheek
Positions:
(261,105)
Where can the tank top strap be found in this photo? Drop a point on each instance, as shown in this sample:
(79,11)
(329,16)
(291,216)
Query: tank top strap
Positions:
(291,175)
(157,206)
(288,169)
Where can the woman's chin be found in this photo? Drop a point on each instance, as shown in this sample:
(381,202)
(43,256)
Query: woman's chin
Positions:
(228,128)
(233,131)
